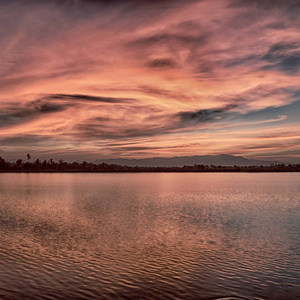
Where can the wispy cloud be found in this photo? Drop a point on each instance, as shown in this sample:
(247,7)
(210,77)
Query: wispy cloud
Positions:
(79,97)
(284,58)
(152,77)
(15,113)
(205,115)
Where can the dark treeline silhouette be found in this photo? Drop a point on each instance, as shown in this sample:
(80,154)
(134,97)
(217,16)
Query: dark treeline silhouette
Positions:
(62,166)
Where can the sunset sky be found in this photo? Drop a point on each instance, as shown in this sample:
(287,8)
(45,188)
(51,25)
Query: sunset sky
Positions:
(84,80)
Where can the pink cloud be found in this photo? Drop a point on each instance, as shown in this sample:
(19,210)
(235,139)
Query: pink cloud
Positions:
(178,58)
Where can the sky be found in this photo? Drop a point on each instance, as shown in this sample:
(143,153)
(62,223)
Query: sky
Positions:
(85,80)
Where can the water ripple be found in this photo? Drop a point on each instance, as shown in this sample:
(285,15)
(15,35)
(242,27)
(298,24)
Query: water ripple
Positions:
(127,237)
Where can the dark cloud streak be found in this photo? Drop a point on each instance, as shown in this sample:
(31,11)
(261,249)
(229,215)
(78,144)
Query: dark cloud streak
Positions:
(15,113)
(81,97)
(154,125)
(205,115)
(284,57)
(162,63)
(27,140)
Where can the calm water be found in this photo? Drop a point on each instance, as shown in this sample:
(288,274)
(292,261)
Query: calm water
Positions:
(150,236)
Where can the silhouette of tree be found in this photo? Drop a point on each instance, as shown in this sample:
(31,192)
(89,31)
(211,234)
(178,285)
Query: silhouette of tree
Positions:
(45,164)
(19,163)
(3,163)
(62,166)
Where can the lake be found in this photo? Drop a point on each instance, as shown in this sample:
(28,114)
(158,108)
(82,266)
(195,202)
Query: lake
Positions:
(150,236)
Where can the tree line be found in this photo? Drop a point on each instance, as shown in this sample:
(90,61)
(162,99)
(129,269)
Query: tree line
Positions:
(62,166)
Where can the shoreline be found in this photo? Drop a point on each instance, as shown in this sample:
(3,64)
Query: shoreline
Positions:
(152,171)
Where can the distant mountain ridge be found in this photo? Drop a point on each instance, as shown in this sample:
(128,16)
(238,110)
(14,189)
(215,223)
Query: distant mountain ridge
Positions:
(179,161)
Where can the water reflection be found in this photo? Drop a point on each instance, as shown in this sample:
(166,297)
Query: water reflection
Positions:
(149,236)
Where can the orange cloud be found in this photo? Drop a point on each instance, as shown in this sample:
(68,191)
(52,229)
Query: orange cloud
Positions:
(137,79)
